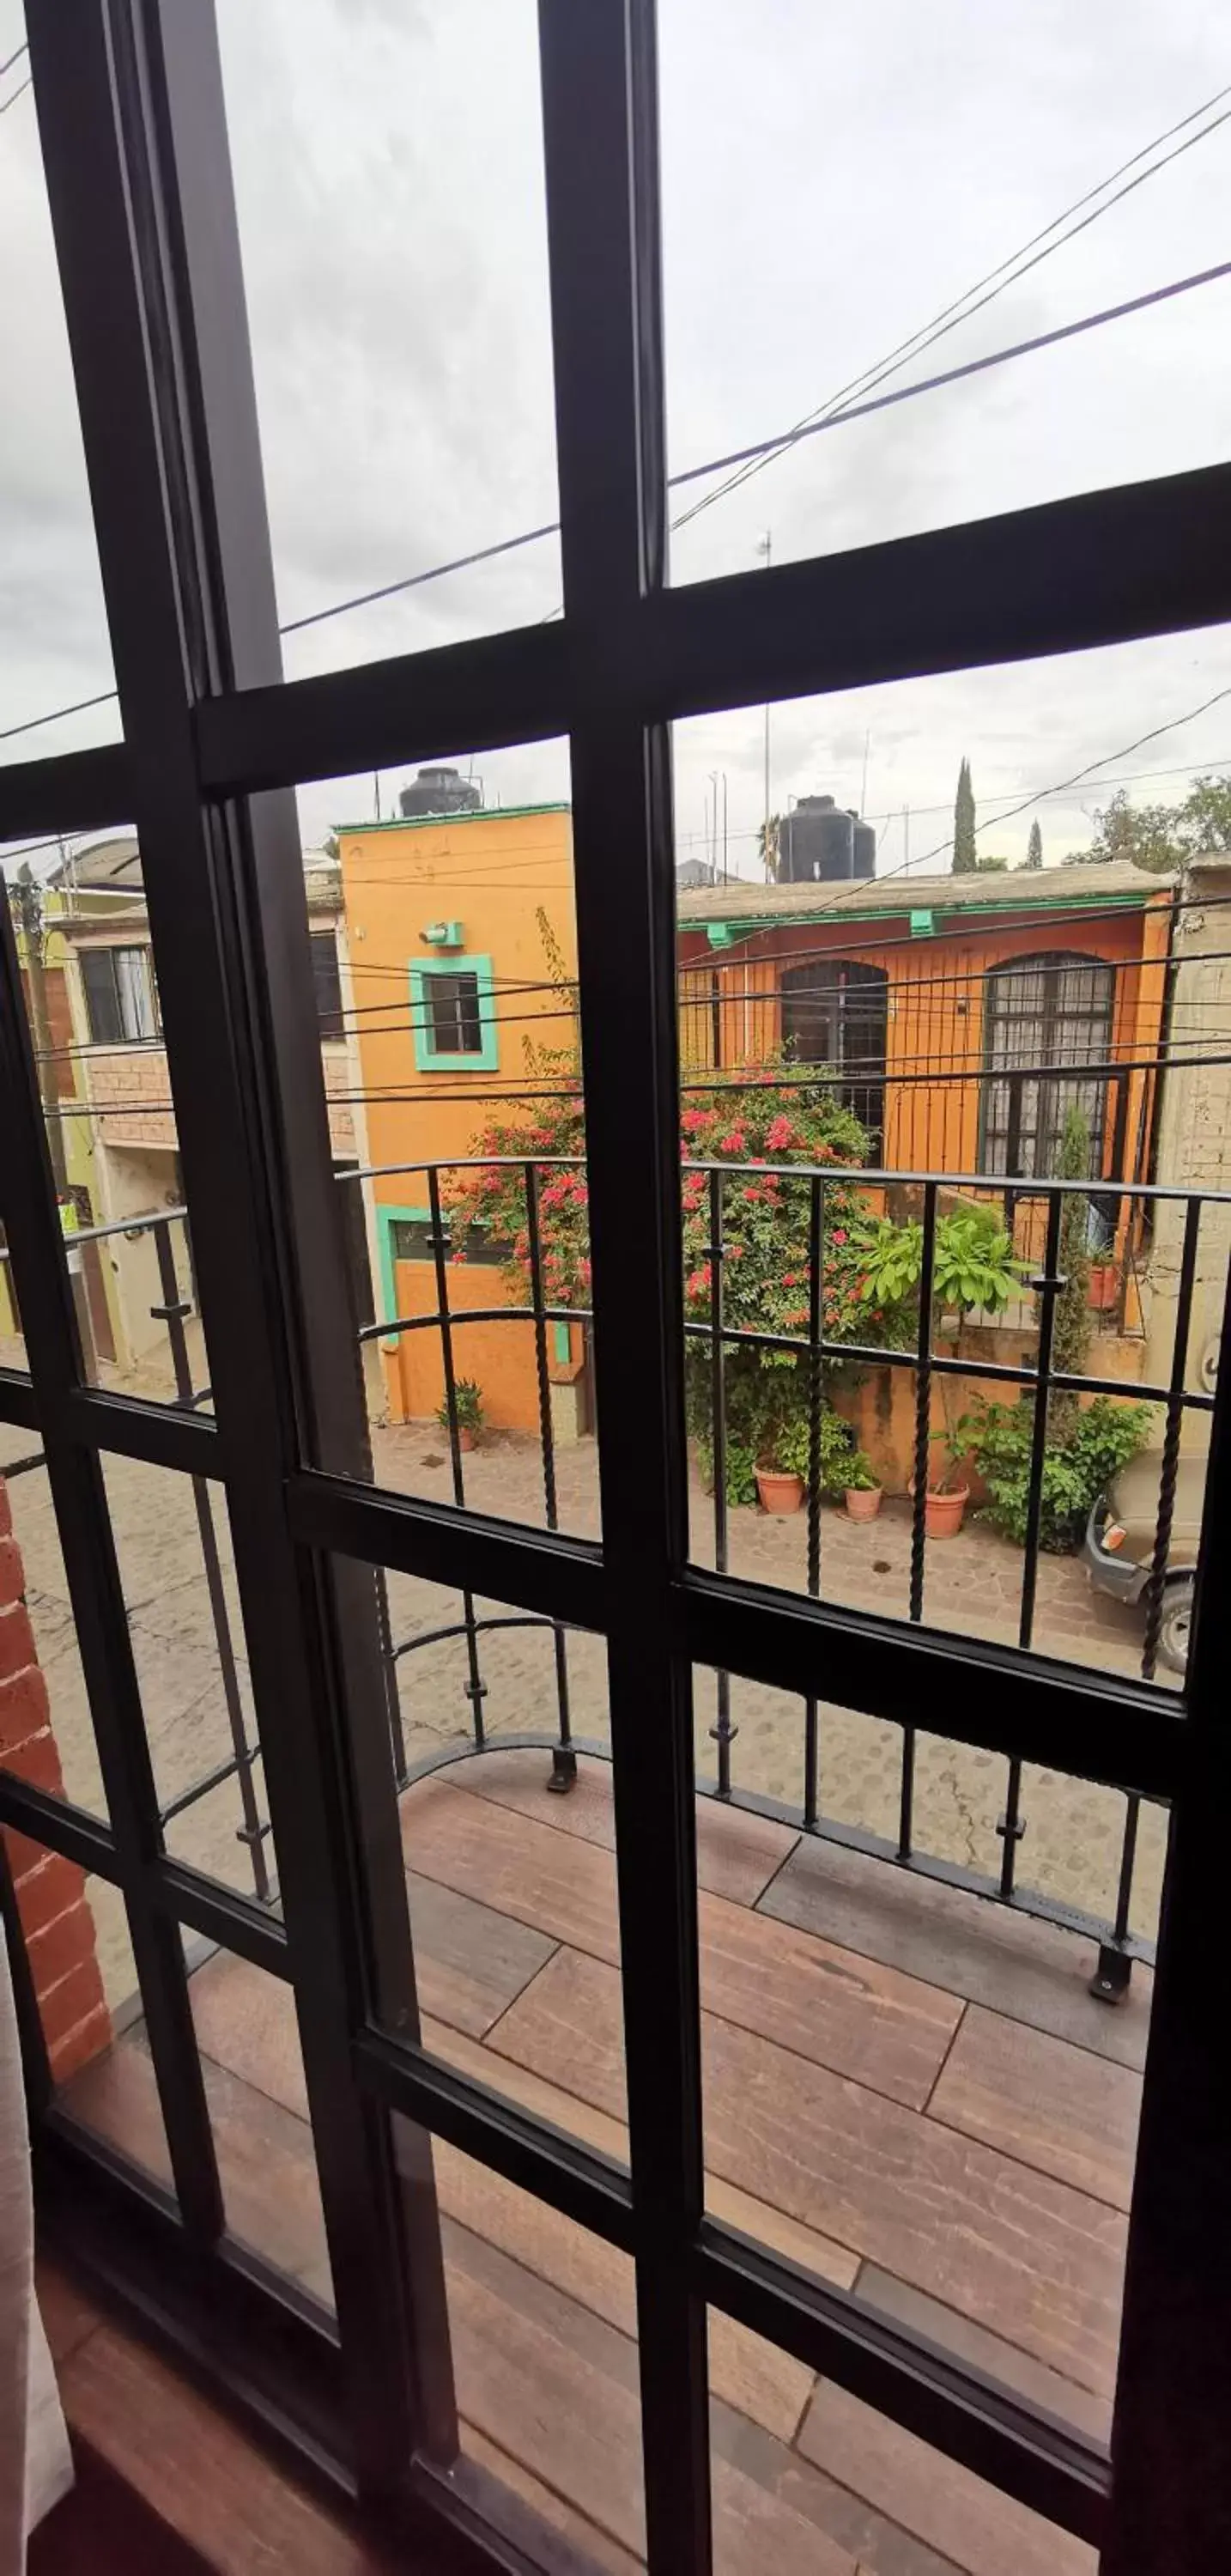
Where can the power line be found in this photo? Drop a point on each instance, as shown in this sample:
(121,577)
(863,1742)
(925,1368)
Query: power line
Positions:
(23,48)
(762,452)
(1173,722)
(995,282)
(14,95)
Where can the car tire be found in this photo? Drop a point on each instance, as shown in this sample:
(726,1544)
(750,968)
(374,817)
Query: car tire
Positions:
(1174,1626)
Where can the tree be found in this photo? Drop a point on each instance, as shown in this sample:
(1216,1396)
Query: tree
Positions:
(965,855)
(1034,846)
(1070,1347)
(988,865)
(768,835)
(1205,817)
(1146,835)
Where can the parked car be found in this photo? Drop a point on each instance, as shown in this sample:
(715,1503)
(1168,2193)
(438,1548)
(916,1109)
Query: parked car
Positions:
(1119,1547)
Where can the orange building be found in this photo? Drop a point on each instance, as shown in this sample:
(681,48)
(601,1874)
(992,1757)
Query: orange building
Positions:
(959,1016)
(960,1013)
(462,948)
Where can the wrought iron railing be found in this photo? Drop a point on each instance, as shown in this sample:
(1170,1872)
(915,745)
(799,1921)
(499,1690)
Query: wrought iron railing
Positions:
(1116,1941)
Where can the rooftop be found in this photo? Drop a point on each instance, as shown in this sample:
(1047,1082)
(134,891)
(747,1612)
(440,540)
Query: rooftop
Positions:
(990,891)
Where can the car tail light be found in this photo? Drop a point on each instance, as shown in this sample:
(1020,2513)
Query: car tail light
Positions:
(1113,1537)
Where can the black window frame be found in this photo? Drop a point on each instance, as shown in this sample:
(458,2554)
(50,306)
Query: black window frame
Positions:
(327,985)
(107,1001)
(1038,1079)
(854,998)
(454,1012)
(134,142)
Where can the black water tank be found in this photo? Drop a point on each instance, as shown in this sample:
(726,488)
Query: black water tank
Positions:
(817,843)
(440,791)
(865,850)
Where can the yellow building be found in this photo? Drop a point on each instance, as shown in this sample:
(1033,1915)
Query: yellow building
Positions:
(460,941)
(70,1131)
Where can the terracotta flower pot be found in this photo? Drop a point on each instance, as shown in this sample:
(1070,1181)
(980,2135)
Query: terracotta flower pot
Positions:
(465,1436)
(863,1502)
(1104,1287)
(942,1512)
(777,1492)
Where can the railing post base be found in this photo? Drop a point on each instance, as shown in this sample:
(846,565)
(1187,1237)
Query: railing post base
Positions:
(563,1773)
(1110,1982)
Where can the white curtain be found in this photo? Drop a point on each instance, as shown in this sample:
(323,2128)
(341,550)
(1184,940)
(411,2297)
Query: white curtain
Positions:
(35,2466)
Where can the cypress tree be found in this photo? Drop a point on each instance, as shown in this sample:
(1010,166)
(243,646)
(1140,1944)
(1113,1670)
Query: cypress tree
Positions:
(1034,847)
(965,855)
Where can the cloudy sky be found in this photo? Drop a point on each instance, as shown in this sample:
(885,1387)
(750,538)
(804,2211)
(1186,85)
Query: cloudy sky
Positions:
(833,178)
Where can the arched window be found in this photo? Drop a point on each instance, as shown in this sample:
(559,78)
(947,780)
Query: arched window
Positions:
(835,1011)
(1048,1012)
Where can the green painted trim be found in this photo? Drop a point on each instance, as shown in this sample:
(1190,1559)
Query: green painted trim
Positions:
(564,1344)
(922,924)
(471,814)
(482,1059)
(386,1219)
(751,926)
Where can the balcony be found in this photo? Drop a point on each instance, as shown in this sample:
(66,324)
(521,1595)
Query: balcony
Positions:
(926,1973)
(911,2093)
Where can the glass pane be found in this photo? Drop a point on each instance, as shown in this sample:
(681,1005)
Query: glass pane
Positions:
(810,2478)
(80,1958)
(455,1061)
(924,2084)
(875,1024)
(901,224)
(389,176)
(543,2327)
(498,1735)
(55,651)
(90,987)
(254,2084)
(46,1729)
(173,1541)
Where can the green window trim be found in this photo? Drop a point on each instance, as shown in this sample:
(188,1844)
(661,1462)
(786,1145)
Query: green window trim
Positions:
(386,1219)
(429,1058)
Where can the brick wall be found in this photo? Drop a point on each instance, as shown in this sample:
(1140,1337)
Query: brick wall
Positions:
(51,1891)
(126,1084)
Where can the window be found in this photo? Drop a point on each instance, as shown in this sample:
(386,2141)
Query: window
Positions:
(412,1240)
(119,995)
(601,1990)
(1043,1014)
(834,1013)
(453,1015)
(327,983)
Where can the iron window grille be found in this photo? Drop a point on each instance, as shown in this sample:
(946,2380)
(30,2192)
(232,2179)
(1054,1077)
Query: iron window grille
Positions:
(129,100)
(1043,1012)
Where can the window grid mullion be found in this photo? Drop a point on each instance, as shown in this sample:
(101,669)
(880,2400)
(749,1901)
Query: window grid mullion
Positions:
(600,131)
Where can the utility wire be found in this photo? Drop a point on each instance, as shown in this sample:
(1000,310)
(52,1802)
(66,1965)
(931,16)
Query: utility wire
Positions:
(14,95)
(763,451)
(988,288)
(23,48)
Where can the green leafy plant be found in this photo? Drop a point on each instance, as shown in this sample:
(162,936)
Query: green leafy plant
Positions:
(974,1266)
(859,1476)
(999,1438)
(468,1396)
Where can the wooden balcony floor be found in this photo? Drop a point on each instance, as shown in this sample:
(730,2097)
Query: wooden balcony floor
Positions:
(906,2088)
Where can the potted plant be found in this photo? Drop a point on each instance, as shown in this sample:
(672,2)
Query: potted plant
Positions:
(782,1466)
(468,1399)
(947,1491)
(1104,1289)
(862,1490)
